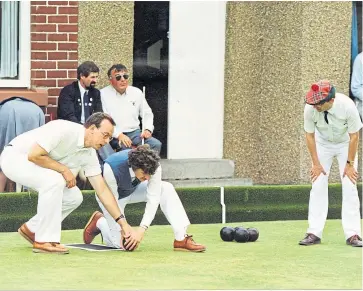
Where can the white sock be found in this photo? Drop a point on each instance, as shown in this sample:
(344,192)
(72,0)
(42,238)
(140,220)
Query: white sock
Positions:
(180,234)
(102,224)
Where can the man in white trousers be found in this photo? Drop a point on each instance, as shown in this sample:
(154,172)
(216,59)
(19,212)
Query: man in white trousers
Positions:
(48,159)
(135,176)
(332,124)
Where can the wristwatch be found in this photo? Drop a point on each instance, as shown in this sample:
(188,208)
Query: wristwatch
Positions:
(144,226)
(120,217)
(351,163)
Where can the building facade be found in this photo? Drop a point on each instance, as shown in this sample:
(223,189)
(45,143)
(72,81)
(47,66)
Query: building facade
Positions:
(224,79)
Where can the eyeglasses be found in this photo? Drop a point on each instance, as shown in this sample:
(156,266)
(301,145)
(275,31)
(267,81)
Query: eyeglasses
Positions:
(106,135)
(118,77)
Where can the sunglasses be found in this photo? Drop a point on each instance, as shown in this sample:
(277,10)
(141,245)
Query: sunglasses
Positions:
(118,77)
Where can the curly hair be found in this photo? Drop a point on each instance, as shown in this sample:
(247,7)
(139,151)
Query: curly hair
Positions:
(145,159)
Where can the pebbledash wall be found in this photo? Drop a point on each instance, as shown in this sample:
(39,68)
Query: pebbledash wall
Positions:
(274,51)
(248,76)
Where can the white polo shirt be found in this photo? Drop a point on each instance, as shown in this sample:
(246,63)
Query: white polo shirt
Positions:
(126,108)
(343,119)
(64,141)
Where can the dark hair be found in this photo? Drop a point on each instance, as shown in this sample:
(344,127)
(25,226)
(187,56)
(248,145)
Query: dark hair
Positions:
(144,158)
(117,67)
(97,118)
(87,68)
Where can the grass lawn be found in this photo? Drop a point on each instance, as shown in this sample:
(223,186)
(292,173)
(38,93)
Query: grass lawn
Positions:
(275,261)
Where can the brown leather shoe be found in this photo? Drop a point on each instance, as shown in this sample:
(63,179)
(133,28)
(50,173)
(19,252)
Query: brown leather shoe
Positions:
(49,248)
(355,241)
(310,239)
(188,244)
(91,230)
(26,233)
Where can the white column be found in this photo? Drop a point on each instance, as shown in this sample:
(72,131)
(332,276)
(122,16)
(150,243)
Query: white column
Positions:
(196,79)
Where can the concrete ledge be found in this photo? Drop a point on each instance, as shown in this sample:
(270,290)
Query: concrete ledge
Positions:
(211,182)
(39,96)
(183,169)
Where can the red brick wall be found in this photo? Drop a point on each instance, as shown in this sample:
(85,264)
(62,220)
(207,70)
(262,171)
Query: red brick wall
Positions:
(54,47)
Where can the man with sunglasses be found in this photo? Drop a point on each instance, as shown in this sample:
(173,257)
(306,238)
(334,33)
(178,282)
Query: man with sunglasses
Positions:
(47,160)
(332,125)
(126,104)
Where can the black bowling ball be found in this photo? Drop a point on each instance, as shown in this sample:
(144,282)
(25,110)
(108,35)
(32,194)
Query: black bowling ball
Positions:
(227,233)
(241,235)
(253,234)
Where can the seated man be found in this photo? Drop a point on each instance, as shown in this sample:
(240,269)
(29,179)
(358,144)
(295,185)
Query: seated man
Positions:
(356,85)
(126,104)
(80,99)
(47,159)
(17,115)
(140,183)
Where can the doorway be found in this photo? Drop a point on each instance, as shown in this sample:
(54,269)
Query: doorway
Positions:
(150,64)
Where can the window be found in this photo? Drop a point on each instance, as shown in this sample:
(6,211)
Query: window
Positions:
(15,44)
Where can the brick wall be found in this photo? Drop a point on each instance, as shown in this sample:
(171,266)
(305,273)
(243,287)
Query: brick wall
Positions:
(54,47)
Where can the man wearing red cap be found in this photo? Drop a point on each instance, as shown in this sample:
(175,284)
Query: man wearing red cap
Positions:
(332,124)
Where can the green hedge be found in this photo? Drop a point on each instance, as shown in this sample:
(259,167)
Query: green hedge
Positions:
(247,203)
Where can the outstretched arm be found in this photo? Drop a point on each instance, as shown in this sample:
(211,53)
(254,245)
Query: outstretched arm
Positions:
(108,200)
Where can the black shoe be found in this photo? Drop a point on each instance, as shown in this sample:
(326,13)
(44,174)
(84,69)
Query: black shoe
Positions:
(310,239)
(355,241)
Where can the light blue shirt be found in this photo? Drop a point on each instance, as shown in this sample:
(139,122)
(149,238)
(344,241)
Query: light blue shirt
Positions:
(356,85)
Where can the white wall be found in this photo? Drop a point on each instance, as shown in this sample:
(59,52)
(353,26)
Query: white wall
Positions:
(196,79)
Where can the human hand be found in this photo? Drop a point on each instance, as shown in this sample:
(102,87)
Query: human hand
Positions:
(351,173)
(69,177)
(139,236)
(125,140)
(129,238)
(315,172)
(146,134)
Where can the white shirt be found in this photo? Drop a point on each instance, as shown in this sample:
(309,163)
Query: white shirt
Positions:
(343,119)
(64,142)
(82,90)
(153,197)
(126,109)
(356,84)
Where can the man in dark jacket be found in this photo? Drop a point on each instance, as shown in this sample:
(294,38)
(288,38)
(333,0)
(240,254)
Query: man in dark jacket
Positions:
(80,99)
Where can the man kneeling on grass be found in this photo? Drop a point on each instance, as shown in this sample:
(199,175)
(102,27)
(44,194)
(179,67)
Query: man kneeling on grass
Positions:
(135,176)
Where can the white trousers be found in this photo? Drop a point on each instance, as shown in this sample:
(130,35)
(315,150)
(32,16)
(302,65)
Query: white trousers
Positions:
(318,204)
(170,205)
(55,200)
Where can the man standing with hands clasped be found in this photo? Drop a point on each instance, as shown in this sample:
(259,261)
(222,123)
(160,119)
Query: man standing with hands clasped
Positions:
(332,124)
